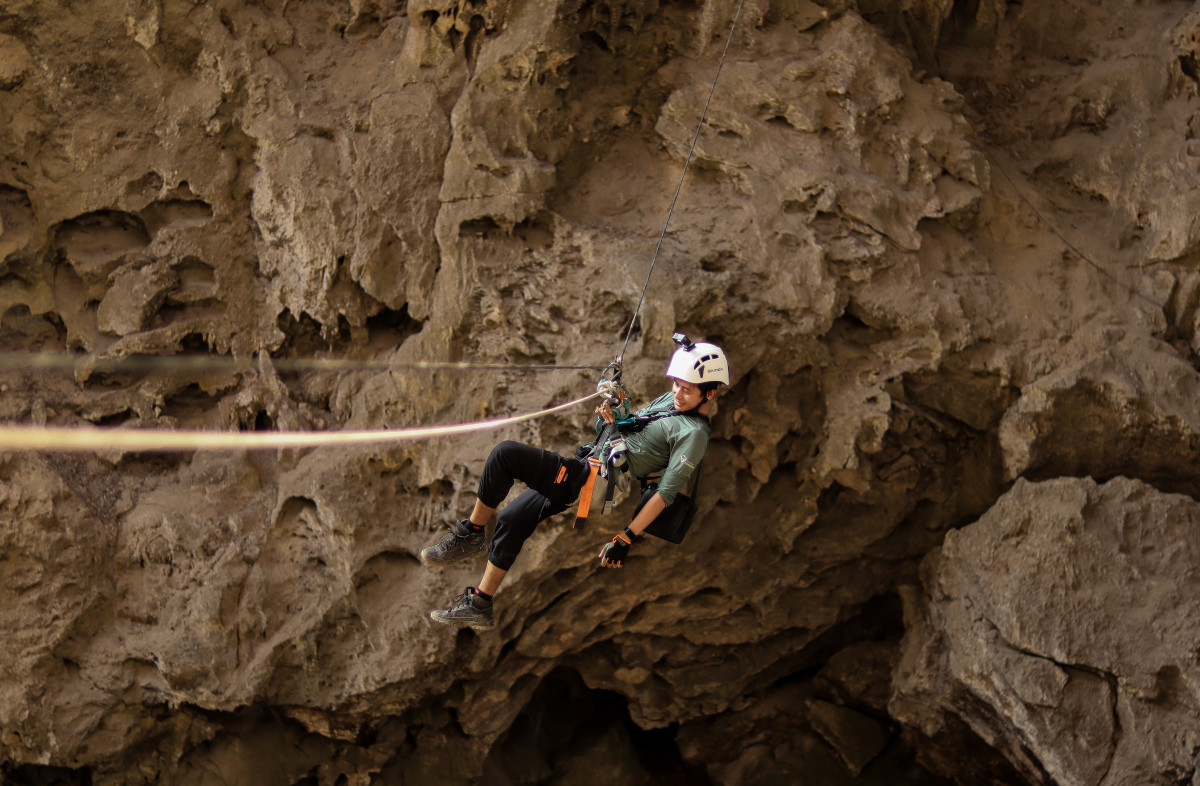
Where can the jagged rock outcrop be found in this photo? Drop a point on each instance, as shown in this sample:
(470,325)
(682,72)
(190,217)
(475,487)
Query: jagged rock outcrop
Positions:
(950,248)
(1021,641)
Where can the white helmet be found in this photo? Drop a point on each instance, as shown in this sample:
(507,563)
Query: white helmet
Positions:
(698,363)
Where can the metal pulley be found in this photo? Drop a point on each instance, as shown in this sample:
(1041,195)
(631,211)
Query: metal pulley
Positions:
(610,387)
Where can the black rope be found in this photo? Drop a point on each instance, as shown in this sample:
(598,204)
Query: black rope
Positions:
(687,162)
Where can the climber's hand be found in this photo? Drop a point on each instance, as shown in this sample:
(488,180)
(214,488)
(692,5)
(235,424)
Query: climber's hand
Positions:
(614,553)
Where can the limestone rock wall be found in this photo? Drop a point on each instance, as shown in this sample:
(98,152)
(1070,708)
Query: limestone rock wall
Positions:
(946,523)
(1110,701)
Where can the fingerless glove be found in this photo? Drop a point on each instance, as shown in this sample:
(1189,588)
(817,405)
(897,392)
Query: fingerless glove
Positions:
(614,553)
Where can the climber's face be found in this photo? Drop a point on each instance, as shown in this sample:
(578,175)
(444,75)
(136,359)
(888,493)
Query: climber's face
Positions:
(687,395)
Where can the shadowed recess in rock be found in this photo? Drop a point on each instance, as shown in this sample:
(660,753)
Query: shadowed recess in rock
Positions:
(39,775)
(568,731)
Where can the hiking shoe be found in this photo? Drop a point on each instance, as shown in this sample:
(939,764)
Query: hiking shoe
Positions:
(461,543)
(468,611)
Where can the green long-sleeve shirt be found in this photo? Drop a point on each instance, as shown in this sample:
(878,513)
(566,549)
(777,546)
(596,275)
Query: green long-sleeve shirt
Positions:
(671,445)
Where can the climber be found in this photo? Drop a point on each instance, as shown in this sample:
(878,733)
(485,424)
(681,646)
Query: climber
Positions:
(669,436)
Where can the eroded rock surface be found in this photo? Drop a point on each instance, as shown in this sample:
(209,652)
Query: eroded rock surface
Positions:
(950,247)
(1060,628)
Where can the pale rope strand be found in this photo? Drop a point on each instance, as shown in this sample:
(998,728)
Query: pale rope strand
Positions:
(76,439)
(94,364)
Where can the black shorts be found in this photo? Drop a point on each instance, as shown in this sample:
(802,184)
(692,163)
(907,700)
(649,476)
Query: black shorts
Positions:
(553,482)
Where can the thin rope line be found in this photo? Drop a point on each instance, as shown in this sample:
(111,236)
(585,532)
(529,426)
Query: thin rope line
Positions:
(94,364)
(76,439)
(687,163)
(1063,238)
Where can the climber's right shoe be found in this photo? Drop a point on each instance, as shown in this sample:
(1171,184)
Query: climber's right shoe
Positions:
(468,610)
(461,543)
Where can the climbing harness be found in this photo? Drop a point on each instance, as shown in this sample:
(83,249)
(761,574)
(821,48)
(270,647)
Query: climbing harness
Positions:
(611,391)
(636,423)
(601,471)
(606,462)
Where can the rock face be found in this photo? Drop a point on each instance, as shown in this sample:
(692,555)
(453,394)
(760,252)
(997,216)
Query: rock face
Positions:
(1021,638)
(947,520)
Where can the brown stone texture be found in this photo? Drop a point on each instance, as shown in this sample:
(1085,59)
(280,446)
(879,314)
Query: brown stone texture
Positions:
(1060,627)
(948,524)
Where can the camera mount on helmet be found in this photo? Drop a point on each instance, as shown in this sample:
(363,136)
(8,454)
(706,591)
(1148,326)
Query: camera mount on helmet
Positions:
(685,343)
